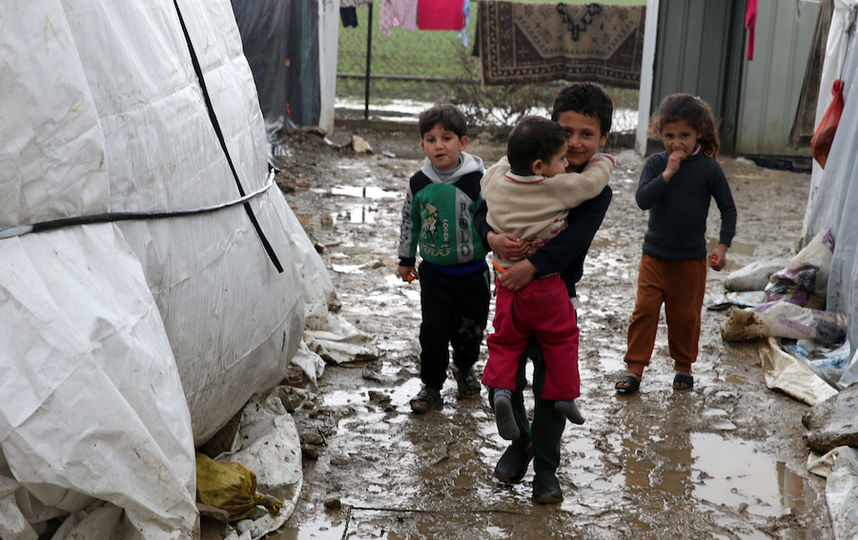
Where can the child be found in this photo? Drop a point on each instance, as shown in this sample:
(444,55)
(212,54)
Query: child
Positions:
(531,201)
(585,111)
(438,216)
(676,187)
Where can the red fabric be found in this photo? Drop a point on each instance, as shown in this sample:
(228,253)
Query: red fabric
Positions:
(820,144)
(441,14)
(541,309)
(750,25)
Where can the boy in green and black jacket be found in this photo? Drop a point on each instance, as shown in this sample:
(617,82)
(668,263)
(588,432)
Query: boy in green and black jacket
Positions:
(437,220)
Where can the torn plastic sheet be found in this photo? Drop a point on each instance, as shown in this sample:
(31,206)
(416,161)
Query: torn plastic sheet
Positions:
(267,443)
(785,373)
(830,363)
(841,493)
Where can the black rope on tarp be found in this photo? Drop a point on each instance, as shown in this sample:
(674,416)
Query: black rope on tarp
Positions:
(216,124)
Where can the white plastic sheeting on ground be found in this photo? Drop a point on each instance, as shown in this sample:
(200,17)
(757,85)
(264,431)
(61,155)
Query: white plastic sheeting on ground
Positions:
(833,198)
(785,373)
(841,492)
(127,342)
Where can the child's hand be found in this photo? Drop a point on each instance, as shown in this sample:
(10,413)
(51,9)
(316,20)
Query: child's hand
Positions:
(507,246)
(407,273)
(518,275)
(718,257)
(673,161)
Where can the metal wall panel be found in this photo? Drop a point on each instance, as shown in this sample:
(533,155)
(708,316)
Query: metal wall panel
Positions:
(771,82)
(691,53)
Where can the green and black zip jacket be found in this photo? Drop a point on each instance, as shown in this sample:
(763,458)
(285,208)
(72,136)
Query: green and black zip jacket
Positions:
(438,218)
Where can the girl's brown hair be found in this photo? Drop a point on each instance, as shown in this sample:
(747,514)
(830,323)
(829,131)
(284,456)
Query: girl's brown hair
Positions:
(693,111)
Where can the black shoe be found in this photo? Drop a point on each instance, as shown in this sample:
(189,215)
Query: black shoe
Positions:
(570,411)
(504,417)
(512,465)
(426,400)
(546,488)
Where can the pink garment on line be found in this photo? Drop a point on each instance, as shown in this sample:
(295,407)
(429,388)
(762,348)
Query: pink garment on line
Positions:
(750,25)
(401,13)
(441,14)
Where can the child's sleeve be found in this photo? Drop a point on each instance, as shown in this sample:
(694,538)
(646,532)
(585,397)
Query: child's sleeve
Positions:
(651,185)
(571,189)
(408,229)
(724,199)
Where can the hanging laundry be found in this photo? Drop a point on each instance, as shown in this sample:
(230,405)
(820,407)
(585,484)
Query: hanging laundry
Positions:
(401,13)
(354,3)
(463,33)
(440,14)
(529,43)
(349,16)
(750,25)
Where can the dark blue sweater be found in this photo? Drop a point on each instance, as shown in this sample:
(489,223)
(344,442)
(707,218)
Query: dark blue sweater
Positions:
(678,209)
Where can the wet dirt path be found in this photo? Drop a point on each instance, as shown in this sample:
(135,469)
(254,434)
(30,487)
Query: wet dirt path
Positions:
(725,460)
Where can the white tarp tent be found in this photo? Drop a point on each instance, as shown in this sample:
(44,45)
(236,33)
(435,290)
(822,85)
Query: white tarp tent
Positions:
(833,199)
(833,203)
(143,310)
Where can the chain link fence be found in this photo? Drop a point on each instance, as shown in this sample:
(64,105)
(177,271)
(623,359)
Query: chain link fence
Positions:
(410,69)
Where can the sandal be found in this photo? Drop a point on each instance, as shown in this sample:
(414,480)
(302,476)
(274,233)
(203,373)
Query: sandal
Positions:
(426,400)
(683,382)
(632,382)
(467,384)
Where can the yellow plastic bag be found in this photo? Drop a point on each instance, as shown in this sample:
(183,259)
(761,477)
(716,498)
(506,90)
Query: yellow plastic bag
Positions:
(232,487)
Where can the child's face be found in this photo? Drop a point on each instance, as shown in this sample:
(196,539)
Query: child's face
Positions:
(678,136)
(556,165)
(585,137)
(442,147)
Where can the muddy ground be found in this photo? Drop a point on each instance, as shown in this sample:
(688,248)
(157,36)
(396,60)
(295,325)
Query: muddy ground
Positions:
(725,460)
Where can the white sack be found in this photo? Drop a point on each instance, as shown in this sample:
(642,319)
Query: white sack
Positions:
(785,373)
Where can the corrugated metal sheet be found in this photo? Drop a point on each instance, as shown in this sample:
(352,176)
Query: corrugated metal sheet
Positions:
(701,50)
(771,83)
(691,53)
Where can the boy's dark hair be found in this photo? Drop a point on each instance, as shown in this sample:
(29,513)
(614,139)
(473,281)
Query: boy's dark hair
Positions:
(587,99)
(446,114)
(693,111)
(532,138)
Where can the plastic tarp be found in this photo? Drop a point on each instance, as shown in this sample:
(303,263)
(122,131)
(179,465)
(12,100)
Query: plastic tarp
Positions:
(126,343)
(841,493)
(281,42)
(833,197)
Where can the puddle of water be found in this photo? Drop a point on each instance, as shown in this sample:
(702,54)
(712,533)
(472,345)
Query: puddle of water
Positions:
(319,529)
(361,213)
(734,473)
(365,192)
(356,213)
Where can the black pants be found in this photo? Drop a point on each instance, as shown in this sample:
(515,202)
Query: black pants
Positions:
(455,310)
(548,424)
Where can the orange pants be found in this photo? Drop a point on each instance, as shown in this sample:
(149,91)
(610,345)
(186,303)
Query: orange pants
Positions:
(680,286)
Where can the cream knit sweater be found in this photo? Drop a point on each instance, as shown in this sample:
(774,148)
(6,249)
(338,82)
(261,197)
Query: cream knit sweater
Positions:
(534,208)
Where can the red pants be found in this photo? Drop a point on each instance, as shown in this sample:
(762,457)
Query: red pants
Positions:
(680,286)
(541,309)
